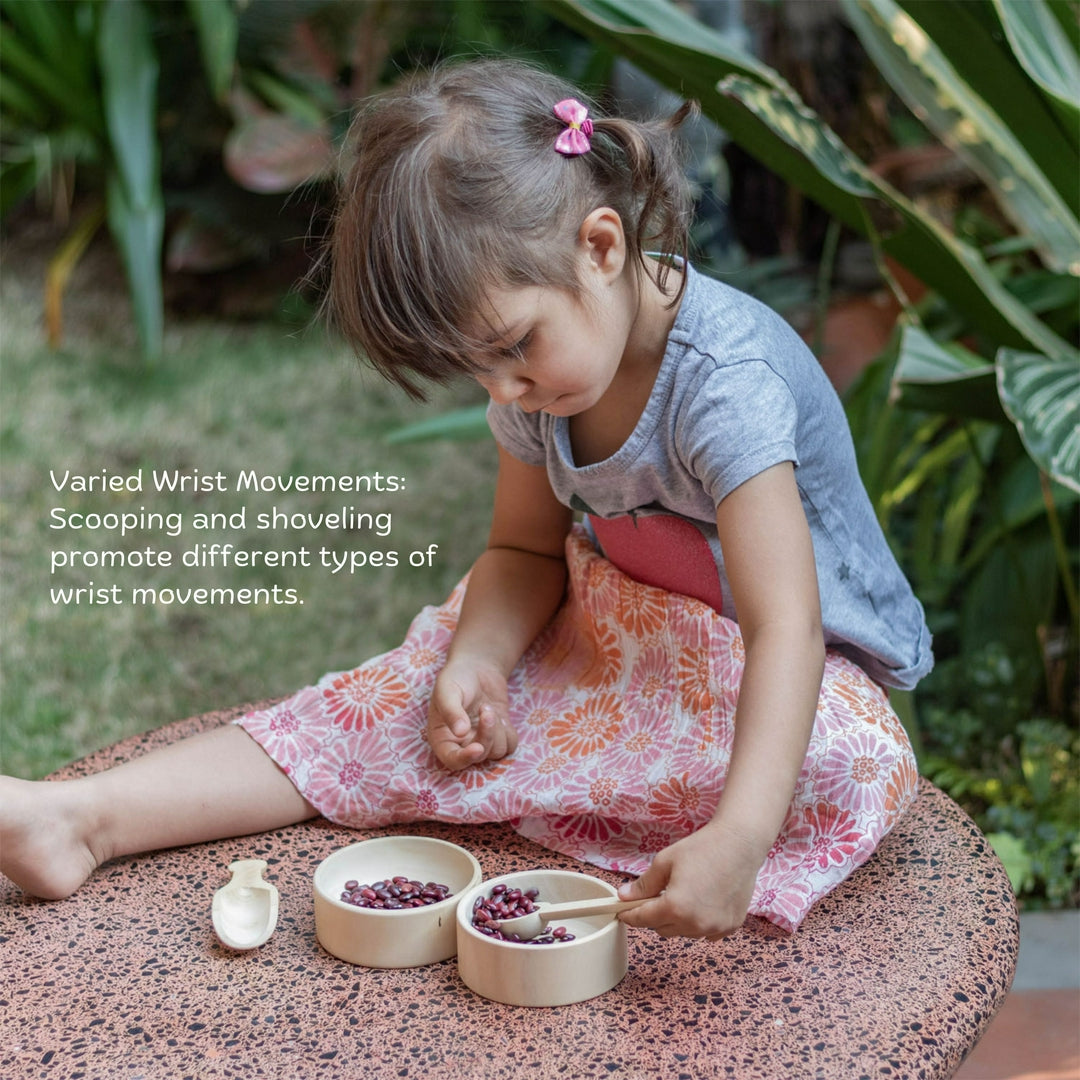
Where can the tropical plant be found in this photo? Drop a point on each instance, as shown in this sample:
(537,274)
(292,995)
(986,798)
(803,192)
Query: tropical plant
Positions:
(98,94)
(78,88)
(760,111)
(967,429)
(223,115)
(1019,775)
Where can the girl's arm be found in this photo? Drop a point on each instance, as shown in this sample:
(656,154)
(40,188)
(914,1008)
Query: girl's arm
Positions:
(708,877)
(514,589)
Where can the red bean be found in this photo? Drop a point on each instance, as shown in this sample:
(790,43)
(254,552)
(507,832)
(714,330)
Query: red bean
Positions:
(506,903)
(394,894)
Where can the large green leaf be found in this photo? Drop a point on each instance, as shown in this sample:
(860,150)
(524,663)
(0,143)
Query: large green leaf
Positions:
(218,26)
(1042,397)
(129,71)
(790,139)
(943,378)
(969,33)
(1047,54)
(137,232)
(657,29)
(923,76)
(1067,18)
(761,113)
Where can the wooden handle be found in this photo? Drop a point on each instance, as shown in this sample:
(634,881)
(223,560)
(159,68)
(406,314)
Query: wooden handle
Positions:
(601,905)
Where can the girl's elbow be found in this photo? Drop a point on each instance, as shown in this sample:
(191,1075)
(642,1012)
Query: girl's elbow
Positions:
(807,636)
(803,634)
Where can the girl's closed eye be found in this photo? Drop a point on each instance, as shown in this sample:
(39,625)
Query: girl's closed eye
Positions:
(519,348)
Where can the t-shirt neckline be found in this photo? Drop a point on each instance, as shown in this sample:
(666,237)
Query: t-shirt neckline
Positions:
(638,439)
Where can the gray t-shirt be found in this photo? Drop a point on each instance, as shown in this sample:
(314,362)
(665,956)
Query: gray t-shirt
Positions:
(737,392)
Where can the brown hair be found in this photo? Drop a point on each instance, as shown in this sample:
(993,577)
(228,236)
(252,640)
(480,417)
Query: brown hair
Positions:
(456,188)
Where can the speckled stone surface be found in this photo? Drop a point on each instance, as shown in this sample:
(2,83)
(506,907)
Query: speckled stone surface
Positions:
(893,975)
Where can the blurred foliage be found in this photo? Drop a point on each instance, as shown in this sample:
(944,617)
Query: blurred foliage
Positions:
(1019,776)
(79,90)
(207,132)
(967,429)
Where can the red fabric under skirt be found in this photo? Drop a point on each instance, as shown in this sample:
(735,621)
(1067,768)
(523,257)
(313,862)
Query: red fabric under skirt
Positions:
(624,708)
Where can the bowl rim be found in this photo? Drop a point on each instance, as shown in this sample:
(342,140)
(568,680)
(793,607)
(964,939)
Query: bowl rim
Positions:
(465,918)
(476,878)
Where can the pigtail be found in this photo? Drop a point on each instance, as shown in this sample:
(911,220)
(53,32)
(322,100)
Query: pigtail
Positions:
(653,159)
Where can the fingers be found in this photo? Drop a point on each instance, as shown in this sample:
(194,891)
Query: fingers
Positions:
(459,742)
(495,733)
(651,884)
(680,907)
(671,917)
(451,754)
(447,708)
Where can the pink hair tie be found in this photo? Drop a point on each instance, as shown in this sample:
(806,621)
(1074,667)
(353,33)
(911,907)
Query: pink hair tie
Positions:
(575,139)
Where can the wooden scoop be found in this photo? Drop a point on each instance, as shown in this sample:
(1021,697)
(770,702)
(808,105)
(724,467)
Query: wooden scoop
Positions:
(532,925)
(245,911)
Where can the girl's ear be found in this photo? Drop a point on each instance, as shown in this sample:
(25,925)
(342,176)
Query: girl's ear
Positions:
(602,242)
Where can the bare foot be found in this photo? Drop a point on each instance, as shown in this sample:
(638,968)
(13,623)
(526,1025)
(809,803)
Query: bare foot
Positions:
(44,830)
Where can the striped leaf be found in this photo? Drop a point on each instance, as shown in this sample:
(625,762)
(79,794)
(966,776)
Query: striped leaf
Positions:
(1047,54)
(943,378)
(970,34)
(1042,398)
(792,141)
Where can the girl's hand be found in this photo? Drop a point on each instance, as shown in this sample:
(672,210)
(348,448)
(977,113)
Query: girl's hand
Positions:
(468,716)
(706,880)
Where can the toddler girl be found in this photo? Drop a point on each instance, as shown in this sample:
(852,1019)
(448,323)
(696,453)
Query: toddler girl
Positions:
(686,685)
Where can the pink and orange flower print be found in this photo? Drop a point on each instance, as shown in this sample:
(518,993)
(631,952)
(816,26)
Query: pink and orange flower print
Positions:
(624,710)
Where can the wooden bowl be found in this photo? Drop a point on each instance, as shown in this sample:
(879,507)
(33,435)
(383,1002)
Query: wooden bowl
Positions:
(392,939)
(516,973)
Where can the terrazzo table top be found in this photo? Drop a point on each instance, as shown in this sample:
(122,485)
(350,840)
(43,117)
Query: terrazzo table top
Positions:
(894,975)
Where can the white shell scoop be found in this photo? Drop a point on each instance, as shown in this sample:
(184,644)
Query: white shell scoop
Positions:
(245,911)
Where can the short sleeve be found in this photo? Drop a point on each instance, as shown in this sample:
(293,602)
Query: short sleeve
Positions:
(517,432)
(739,421)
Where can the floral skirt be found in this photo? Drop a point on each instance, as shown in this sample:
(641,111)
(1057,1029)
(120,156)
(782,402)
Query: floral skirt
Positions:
(624,709)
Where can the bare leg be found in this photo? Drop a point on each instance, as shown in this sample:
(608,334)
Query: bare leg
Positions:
(214,785)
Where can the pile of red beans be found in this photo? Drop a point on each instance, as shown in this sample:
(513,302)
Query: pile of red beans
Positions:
(507,903)
(394,894)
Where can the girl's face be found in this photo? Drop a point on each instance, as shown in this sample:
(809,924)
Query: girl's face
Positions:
(552,351)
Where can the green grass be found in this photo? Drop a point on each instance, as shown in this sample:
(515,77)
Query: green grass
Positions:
(227,397)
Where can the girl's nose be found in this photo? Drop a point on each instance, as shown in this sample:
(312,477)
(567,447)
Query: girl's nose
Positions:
(504,389)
